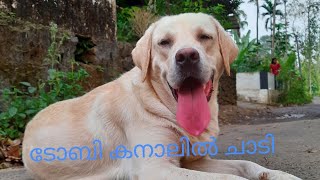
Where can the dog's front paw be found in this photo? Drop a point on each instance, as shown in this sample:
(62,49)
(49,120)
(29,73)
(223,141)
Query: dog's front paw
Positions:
(276,175)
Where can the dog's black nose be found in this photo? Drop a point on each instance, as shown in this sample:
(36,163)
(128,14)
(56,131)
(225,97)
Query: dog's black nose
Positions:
(187,57)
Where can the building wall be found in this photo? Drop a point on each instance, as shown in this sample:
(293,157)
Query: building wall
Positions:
(248,81)
(248,88)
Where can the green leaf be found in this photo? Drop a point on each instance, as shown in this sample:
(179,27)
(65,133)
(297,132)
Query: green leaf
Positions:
(6,125)
(31,90)
(12,111)
(2,116)
(21,125)
(30,111)
(51,73)
(3,133)
(25,84)
(22,115)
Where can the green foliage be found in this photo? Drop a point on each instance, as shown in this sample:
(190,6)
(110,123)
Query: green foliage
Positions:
(281,46)
(21,104)
(23,101)
(7,17)
(294,86)
(161,8)
(246,60)
(218,10)
(53,56)
(268,7)
(124,27)
(297,94)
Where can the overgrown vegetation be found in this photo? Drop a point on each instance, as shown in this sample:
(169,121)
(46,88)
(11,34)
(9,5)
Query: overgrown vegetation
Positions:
(138,18)
(10,20)
(246,60)
(294,87)
(23,101)
(124,27)
(7,17)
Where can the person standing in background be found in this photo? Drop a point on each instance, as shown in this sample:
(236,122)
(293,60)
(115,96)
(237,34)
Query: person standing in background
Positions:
(275,70)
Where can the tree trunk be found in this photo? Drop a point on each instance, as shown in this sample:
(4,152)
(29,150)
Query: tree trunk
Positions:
(273,27)
(286,26)
(298,52)
(257,23)
(257,26)
(309,52)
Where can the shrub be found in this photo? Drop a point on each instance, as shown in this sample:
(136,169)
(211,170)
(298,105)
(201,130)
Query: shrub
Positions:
(124,27)
(140,20)
(246,60)
(133,21)
(23,101)
(293,84)
(21,104)
(297,94)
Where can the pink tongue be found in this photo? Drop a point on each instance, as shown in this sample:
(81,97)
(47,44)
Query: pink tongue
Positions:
(193,113)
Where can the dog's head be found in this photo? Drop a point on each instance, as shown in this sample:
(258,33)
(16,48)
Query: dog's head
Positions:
(187,54)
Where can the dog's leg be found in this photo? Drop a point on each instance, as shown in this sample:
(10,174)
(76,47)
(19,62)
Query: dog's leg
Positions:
(169,171)
(146,167)
(247,169)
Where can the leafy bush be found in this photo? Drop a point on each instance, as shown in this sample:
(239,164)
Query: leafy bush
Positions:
(162,7)
(133,21)
(23,101)
(294,85)
(297,94)
(246,59)
(21,104)
(124,26)
(140,20)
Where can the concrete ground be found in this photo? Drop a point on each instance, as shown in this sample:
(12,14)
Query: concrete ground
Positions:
(297,146)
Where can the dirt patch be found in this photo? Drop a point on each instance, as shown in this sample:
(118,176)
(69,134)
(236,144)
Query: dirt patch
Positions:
(227,89)
(246,113)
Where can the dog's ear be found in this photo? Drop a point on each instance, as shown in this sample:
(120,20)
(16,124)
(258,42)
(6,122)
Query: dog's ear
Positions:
(141,54)
(228,49)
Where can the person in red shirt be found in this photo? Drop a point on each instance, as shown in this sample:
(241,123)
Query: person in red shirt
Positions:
(275,67)
(275,70)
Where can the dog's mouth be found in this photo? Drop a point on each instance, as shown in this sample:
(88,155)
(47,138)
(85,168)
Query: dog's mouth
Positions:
(192,83)
(193,112)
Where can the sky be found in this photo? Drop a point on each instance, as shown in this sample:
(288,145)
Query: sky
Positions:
(251,11)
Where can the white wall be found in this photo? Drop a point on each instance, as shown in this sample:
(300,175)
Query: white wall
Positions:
(248,88)
(271,84)
(248,81)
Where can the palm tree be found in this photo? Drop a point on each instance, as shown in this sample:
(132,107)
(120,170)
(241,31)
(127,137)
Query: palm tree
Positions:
(256,2)
(238,13)
(271,13)
(268,7)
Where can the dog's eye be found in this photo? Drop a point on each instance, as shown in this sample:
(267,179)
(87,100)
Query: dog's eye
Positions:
(205,37)
(165,42)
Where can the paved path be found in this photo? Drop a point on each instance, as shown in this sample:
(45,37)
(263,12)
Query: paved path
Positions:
(297,147)
(14,174)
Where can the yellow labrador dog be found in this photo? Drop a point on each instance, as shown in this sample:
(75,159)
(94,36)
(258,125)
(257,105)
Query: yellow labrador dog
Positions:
(121,130)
